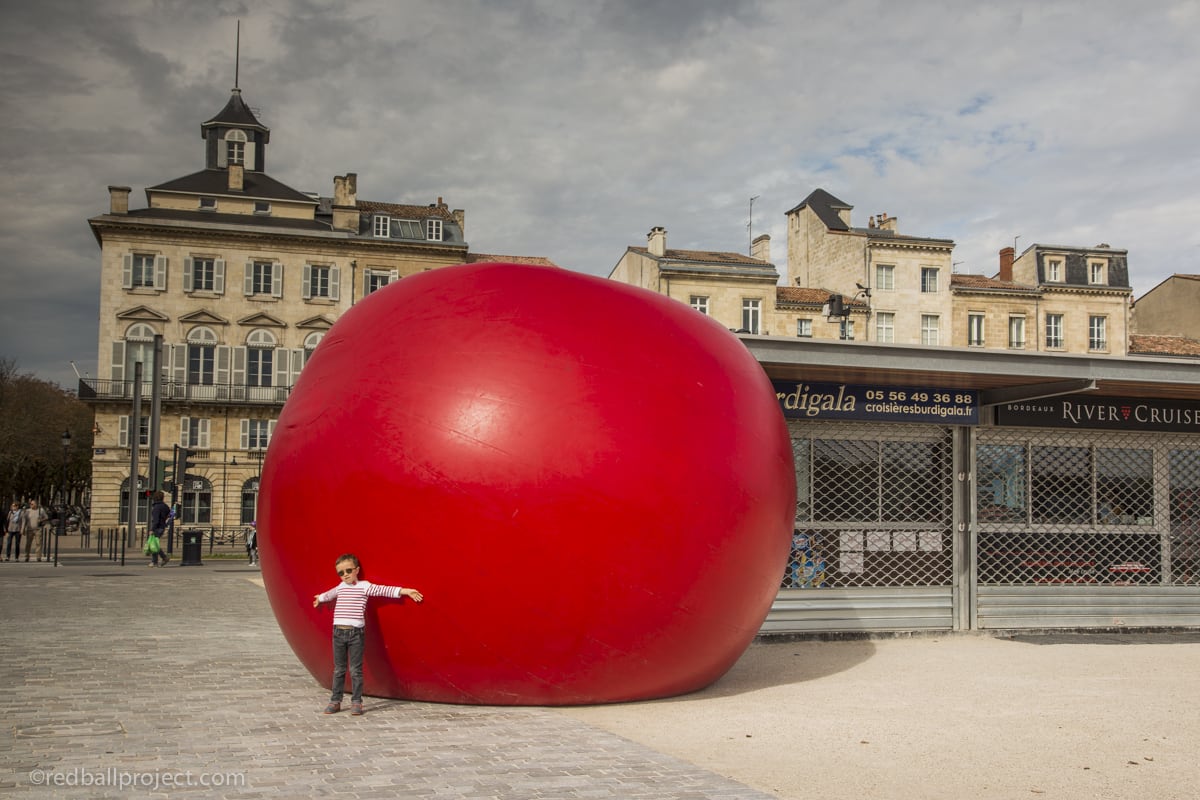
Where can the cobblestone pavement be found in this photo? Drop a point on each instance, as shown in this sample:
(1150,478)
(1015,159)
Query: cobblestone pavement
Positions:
(124,681)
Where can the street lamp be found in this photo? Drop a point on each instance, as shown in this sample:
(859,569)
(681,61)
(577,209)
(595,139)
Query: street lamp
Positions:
(62,514)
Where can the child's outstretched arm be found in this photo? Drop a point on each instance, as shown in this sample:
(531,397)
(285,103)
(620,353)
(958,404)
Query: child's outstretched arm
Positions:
(413,593)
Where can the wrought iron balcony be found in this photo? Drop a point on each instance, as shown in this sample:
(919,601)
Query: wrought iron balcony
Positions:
(96,390)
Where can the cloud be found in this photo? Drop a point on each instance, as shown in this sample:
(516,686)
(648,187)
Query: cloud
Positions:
(569,130)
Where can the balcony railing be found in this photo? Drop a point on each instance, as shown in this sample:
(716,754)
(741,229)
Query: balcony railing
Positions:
(93,389)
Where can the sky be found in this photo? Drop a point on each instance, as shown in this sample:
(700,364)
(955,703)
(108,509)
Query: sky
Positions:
(568,129)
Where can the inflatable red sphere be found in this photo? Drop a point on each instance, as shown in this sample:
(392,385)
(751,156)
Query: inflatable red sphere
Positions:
(592,485)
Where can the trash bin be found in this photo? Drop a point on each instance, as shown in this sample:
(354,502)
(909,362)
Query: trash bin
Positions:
(193,544)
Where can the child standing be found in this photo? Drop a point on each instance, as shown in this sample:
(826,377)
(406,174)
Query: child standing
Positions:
(349,617)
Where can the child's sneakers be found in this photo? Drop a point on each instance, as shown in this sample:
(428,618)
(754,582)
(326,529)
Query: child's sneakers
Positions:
(333,708)
(356,709)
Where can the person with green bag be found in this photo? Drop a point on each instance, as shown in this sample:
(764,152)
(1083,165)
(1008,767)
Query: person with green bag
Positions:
(160,512)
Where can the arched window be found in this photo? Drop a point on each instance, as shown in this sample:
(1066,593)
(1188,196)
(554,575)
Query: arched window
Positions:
(201,350)
(310,344)
(143,508)
(139,346)
(260,353)
(250,501)
(235,147)
(196,500)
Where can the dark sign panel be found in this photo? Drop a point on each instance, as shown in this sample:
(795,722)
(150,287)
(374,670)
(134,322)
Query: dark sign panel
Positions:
(1105,413)
(802,400)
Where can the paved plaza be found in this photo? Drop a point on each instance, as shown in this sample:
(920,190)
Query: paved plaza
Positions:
(125,681)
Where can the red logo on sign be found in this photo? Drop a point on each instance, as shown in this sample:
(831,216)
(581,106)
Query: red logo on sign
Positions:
(1125,411)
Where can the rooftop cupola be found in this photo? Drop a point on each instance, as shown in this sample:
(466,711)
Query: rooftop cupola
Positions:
(235,136)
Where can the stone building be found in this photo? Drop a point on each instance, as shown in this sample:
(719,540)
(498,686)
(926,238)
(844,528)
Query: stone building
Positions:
(240,276)
(736,290)
(905,279)
(1084,305)
(1170,308)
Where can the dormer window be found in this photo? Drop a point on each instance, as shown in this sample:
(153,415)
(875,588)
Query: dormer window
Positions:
(235,147)
(208,204)
(1098,272)
(433,230)
(383,226)
(262,207)
(1054,268)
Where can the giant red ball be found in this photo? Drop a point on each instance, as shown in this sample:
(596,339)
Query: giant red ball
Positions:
(592,484)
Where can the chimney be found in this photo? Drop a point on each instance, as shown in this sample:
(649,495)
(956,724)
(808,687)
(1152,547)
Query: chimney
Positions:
(345,202)
(345,189)
(118,199)
(460,217)
(237,174)
(1006,262)
(887,223)
(760,248)
(657,239)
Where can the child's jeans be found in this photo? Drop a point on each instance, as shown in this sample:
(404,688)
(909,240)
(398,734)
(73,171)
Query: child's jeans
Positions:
(347,645)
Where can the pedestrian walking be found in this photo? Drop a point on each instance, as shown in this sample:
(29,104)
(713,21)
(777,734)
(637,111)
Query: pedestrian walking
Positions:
(160,513)
(12,544)
(35,519)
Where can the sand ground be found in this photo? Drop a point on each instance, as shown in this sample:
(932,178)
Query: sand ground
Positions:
(957,716)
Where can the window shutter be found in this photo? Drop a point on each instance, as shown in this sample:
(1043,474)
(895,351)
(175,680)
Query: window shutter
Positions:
(248,286)
(223,365)
(297,365)
(185,432)
(237,375)
(270,430)
(222,154)
(118,361)
(335,289)
(127,271)
(393,276)
(187,275)
(160,272)
(219,276)
(245,435)
(280,358)
(277,279)
(179,356)
(306,282)
(203,434)
(248,156)
(123,430)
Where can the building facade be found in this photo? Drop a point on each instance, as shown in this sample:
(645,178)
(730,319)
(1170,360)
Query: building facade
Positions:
(236,277)
(1169,309)
(736,290)
(1084,303)
(905,279)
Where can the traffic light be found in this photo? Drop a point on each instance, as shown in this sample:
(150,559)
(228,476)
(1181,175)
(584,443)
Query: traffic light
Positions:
(185,463)
(165,472)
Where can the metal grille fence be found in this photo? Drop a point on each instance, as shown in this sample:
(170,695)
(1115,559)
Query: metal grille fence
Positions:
(1079,508)
(873,508)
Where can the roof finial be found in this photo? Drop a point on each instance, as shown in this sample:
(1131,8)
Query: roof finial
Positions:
(237,53)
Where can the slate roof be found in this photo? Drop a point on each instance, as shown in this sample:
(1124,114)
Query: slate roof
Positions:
(735,260)
(826,207)
(537,261)
(1141,344)
(238,220)
(237,114)
(215,182)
